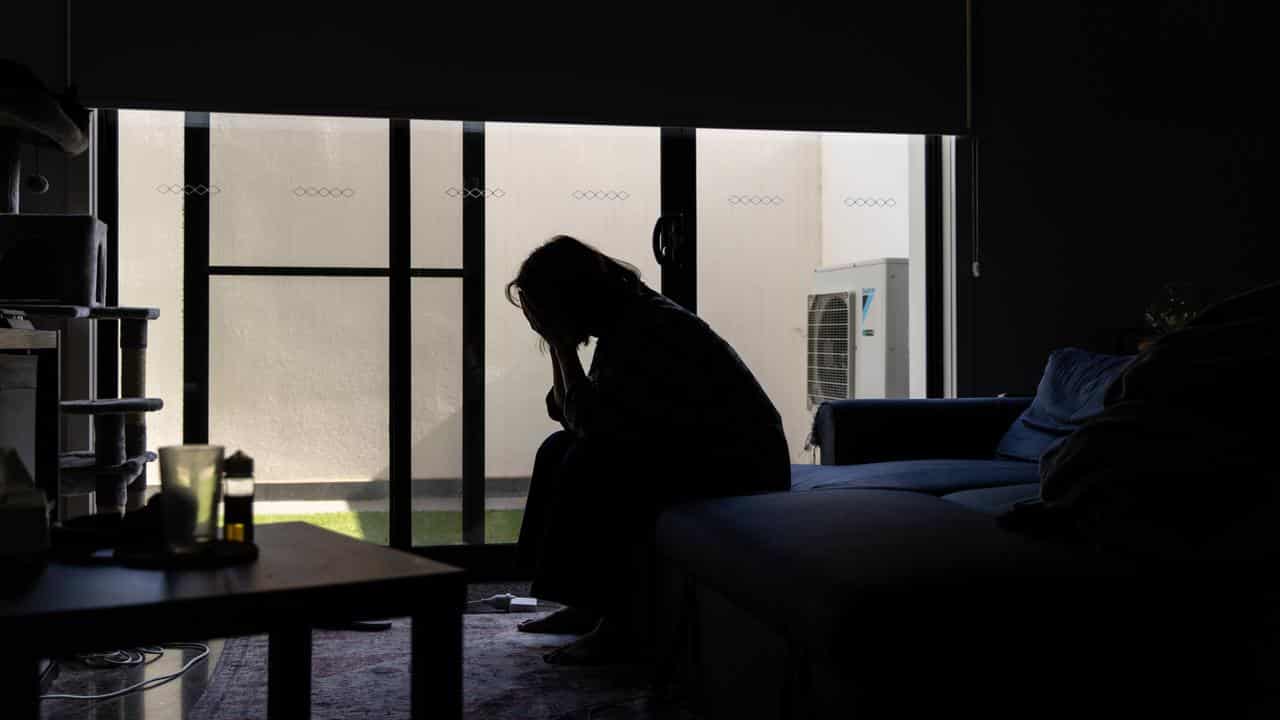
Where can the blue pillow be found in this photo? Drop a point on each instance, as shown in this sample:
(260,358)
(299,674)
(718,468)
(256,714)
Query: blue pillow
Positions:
(1070,392)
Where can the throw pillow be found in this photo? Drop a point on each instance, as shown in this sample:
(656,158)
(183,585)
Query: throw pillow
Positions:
(1070,392)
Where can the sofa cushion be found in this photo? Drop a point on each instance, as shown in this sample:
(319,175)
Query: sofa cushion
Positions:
(1070,392)
(936,477)
(871,568)
(995,500)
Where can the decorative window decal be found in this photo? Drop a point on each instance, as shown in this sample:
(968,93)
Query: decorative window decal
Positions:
(179,189)
(475,192)
(324,192)
(601,194)
(755,200)
(869,202)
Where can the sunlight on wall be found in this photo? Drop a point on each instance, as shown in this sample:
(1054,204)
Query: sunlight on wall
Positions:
(150,228)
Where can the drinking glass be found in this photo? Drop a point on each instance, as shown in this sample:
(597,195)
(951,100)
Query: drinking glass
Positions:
(191,488)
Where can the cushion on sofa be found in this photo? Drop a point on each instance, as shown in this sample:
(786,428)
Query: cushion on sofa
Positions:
(936,477)
(1070,392)
(994,500)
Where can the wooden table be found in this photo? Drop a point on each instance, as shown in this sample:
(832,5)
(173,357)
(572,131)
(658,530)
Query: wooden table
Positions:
(305,576)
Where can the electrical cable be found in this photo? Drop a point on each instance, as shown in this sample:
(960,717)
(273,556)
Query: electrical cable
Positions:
(120,658)
(116,658)
(506,602)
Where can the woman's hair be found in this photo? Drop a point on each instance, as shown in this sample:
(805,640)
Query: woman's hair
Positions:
(573,278)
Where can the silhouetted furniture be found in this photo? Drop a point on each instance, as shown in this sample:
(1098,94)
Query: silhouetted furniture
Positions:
(882,586)
(115,470)
(38,435)
(305,576)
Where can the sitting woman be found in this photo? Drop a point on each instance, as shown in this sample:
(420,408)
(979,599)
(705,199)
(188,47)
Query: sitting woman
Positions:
(668,412)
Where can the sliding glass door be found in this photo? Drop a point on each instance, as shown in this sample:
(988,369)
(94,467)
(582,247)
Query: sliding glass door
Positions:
(332,300)
(598,184)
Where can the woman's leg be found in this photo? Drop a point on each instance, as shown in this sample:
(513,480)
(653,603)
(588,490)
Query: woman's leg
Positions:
(604,516)
(578,519)
(610,499)
(544,490)
(543,485)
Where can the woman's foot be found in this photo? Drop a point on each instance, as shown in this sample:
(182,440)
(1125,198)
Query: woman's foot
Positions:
(565,621)
(602,646)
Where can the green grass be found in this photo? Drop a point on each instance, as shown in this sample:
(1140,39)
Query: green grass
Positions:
(430,527)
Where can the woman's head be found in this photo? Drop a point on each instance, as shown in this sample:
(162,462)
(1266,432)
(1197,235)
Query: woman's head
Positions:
(574,287)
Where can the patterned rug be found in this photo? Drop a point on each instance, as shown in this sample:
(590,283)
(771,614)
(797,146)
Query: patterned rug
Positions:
(366,675)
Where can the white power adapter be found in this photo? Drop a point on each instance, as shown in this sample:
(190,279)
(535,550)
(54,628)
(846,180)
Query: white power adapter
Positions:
(507,602)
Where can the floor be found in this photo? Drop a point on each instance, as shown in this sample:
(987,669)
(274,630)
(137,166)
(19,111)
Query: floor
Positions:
(173,701)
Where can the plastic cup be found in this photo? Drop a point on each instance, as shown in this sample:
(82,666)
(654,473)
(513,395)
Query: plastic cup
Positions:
(191,489)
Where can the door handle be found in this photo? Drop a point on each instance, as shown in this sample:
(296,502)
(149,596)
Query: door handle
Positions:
(668,239)
(657,242)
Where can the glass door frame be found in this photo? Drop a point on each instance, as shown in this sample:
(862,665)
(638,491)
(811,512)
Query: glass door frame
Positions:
(678,182)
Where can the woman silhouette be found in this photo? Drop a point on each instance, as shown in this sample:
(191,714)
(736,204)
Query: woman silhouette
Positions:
(668,412)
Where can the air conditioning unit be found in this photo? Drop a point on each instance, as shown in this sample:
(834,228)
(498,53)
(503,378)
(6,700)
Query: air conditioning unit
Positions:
(858,332)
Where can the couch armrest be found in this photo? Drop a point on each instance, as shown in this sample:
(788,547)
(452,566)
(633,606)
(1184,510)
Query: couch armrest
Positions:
(851,432)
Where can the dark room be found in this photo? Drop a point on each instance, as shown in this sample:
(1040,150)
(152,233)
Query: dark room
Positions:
(680,361)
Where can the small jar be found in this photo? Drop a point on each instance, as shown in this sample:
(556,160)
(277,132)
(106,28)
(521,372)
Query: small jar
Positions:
(237,498)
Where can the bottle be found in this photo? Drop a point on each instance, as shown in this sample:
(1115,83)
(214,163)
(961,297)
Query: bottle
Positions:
(237,498)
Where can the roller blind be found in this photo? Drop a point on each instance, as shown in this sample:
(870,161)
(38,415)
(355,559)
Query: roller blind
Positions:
(893,67)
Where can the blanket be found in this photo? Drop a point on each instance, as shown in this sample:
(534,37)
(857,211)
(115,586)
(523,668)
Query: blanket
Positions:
(1185,448)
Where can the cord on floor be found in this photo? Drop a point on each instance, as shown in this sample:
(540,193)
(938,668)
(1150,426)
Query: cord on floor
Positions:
(125,658)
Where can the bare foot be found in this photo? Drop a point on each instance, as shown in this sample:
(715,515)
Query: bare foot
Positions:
(602,646)
(565,621)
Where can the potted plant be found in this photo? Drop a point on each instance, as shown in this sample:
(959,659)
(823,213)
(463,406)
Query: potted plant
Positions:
(1173,307)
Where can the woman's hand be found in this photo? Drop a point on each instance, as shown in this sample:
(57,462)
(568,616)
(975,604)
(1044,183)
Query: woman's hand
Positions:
(526,307)
(567,364)
(537,321)
(557,379)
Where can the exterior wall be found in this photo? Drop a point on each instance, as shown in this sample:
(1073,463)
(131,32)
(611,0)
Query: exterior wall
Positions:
(866,198)
(151,174)
(759,240)
(598,184)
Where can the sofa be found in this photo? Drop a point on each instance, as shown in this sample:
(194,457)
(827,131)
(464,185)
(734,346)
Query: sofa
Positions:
(894,580)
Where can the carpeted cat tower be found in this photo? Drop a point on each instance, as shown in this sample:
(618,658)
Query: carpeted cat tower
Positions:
(53,267)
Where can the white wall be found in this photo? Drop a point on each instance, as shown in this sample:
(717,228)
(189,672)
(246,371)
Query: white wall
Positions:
(598,184)
(774,206)
(866,203)
(151,256)
(758,242)
(873,207)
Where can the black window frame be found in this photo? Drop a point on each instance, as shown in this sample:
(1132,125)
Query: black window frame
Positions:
(483,560)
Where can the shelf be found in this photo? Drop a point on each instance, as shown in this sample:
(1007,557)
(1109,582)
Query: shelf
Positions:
(111,406)
(82,311)
(80,471)
(18,339)
(83,461)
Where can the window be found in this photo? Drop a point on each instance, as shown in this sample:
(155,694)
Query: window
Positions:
(324,313)
(773,208)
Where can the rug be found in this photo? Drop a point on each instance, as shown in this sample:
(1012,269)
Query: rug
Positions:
(366,675)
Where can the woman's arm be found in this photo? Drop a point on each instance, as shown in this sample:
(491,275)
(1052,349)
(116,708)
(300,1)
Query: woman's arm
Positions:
(578,401)
(555,398)
(568,366)
(557,378)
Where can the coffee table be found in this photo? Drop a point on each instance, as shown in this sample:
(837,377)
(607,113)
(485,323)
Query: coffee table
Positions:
(304,576)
